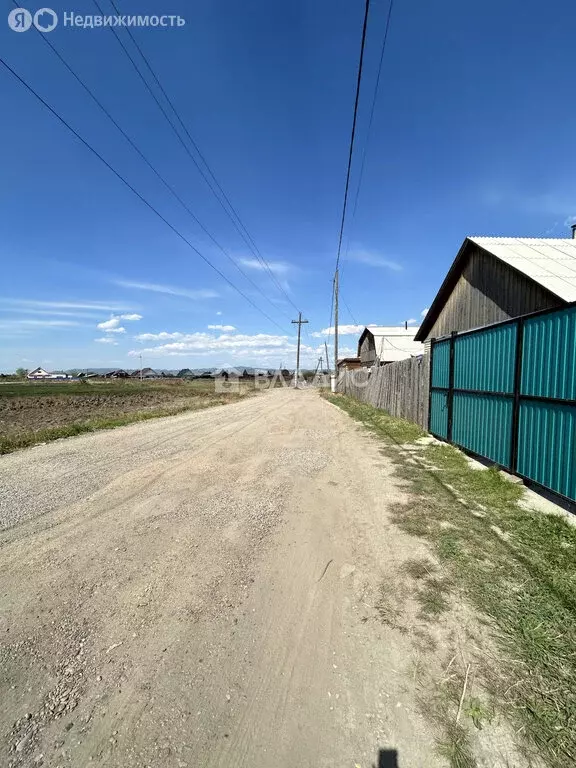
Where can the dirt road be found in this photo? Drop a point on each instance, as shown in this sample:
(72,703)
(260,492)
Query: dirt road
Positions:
(201,591)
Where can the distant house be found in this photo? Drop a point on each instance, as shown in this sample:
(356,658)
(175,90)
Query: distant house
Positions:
(381,344)
(349,364)
(498,278)
(39,374)
(118,374)
(185,373)
(145,373)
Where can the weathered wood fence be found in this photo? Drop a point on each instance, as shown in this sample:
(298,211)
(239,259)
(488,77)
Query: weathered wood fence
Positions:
(399,388)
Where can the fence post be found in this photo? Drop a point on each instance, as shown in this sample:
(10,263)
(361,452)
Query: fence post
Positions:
(432,343)
(517,386)
(451,388)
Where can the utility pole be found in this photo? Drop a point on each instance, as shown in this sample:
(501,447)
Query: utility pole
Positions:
(300,323)
(327,358)
(335,376)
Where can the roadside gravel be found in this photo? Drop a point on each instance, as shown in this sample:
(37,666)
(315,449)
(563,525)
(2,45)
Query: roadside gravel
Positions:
(72,468)
(207,591)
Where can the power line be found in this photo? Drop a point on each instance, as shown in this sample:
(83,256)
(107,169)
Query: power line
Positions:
(153,169)
(374,100)
(234,217)
(365,148)
(299,323)
(132,189)
(350,155)
(329,327)
(331,308)
(349,311)
(352,137)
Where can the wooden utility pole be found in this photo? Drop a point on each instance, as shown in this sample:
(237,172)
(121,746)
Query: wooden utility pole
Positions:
(335,378)
(300,323)
(327,358)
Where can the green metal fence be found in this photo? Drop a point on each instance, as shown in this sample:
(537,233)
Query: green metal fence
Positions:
(507,392)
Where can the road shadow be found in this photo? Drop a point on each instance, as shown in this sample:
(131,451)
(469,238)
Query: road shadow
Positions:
(387,758)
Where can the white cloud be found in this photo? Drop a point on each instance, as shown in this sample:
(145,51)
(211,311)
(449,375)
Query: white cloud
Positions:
(201,293)
(242,348)
(206,342)
(373,260)
(424,312)
(221,327)
(50,312)
(218,313)
(229,349)
(162,336)
(113,324)
(93,305)
(39,323)
(412,321)
(109,325)
(277,267)
(106,340)
(343,330)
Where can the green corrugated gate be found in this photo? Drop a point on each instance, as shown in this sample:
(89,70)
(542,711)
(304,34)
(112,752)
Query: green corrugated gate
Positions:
(507,393)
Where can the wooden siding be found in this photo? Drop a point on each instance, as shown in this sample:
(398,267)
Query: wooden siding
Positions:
(489,291)
(368,351)
(399,388)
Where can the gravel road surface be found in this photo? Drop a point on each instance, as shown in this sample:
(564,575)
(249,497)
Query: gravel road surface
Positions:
(200,591)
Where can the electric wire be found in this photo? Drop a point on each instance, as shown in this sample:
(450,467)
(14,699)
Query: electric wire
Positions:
(135,192)
(239,226)
(372,110)
(155,171)
(370,121)
(349,310)
(353,134)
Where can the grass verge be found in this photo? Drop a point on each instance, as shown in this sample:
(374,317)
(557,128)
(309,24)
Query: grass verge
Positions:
(10,443)
(515,565)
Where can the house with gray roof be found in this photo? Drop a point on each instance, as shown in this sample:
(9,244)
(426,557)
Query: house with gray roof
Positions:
(498,278)
(381,344)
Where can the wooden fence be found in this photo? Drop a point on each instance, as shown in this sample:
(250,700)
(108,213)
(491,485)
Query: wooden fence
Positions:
(399,388)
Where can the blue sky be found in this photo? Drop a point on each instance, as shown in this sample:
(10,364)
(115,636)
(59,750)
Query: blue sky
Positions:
(473,134)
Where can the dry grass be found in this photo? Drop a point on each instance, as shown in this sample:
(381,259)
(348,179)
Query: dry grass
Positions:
(516,566)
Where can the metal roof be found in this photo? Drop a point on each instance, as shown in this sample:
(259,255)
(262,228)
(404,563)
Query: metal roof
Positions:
(548,261)
(551,262)
(394,342)
(393,330)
